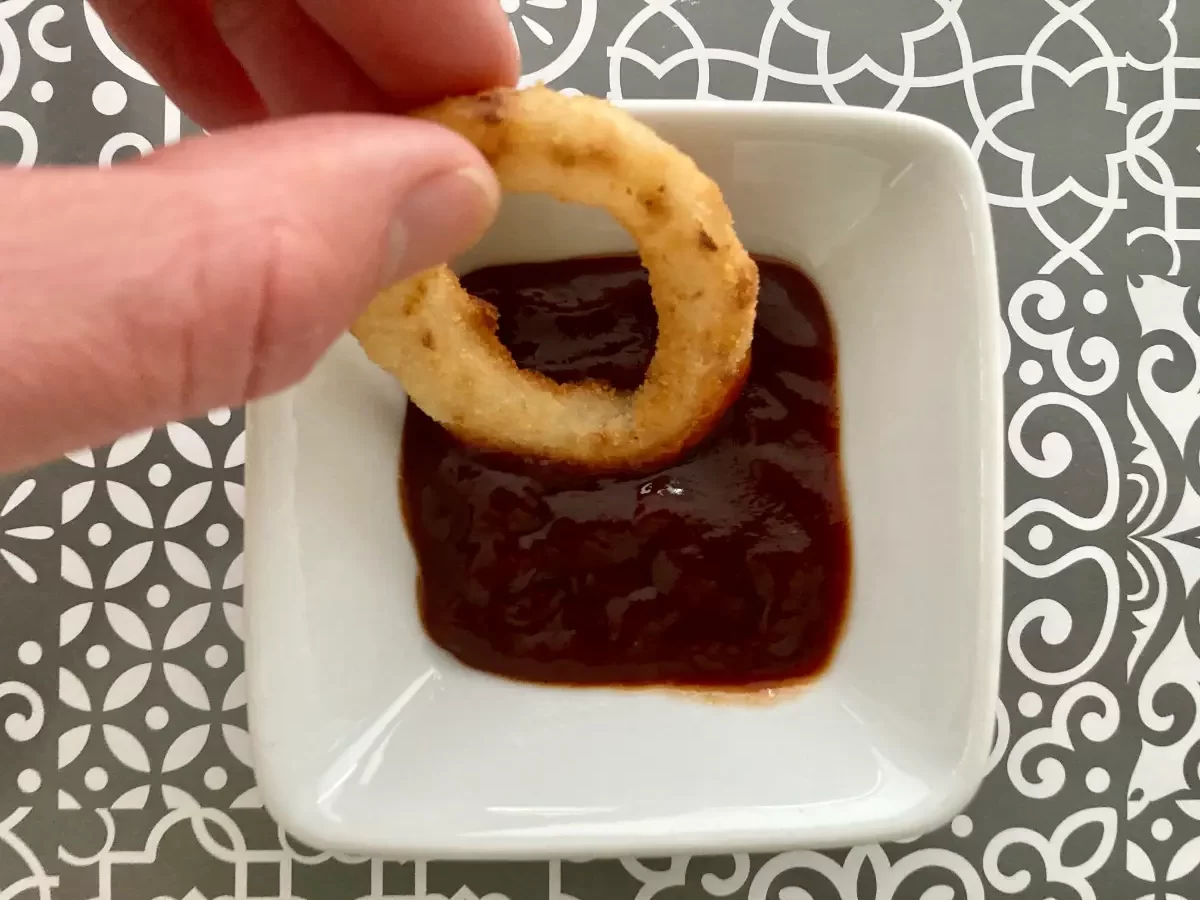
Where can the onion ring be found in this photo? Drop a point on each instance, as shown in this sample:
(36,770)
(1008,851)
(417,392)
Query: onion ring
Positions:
(441,342)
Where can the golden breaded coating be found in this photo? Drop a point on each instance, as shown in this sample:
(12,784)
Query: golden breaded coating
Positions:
(441,343)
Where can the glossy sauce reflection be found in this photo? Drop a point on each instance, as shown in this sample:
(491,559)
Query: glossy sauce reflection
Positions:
(729,569)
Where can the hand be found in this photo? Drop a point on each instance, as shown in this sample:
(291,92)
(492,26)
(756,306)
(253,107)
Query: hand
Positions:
(219,270)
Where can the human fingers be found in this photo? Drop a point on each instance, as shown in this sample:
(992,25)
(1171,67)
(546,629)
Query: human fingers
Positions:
(214,272)
(418,51)
(178,43)
(294,65)
(227,62)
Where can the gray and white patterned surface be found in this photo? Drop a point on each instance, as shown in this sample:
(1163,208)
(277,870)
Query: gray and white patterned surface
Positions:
(123,756)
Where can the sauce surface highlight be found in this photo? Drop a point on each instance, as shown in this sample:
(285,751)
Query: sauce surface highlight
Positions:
(728,569)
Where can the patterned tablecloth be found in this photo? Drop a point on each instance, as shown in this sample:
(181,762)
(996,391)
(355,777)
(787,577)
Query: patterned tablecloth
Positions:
(123,756)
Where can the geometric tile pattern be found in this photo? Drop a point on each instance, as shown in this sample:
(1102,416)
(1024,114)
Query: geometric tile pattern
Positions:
(123,751)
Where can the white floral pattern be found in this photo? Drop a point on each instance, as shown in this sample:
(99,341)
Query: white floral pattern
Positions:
(122,705)
(14,533)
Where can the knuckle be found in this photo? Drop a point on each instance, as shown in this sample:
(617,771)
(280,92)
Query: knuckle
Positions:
(290,272)
(223,308)
(239,307)
(235,17)
(120,14)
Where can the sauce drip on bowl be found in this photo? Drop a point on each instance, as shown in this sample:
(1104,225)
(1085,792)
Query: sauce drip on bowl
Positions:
(728,569)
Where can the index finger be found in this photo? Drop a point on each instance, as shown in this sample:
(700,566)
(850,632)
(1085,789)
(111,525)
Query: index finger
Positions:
(177,41)
(419,51)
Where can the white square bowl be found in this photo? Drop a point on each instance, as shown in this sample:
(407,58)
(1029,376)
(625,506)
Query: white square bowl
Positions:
(368,738)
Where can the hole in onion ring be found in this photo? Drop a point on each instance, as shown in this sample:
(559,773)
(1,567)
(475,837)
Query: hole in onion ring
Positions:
(441,343)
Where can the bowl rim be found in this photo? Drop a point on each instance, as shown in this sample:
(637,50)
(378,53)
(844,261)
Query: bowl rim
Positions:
(967,776)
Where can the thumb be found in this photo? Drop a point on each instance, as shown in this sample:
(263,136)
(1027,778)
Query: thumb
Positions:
(214,271)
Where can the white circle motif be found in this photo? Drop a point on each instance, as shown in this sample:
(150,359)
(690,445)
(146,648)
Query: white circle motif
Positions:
(159,474)
(1095,301)
(41,91)
(157,595)
(1097,780)
(157,718)
(215,778)
(1030,371)
(1161,829)
(217,535)
(1041,537)
(28,781)
(216,656)
(1029,704)
(29,652)
(97,656)
(95,778)
(126,140)
(961,826)
(99,534)
(20,125)
(109,98)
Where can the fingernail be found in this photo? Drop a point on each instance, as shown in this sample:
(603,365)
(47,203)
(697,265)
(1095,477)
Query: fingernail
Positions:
(439,218)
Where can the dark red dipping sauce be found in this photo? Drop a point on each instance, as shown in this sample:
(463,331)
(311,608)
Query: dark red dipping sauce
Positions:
(728,569)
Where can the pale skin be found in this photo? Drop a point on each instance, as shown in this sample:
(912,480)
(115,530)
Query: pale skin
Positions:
(219,270)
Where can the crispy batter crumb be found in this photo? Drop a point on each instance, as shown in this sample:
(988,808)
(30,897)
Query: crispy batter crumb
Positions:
(704,287)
